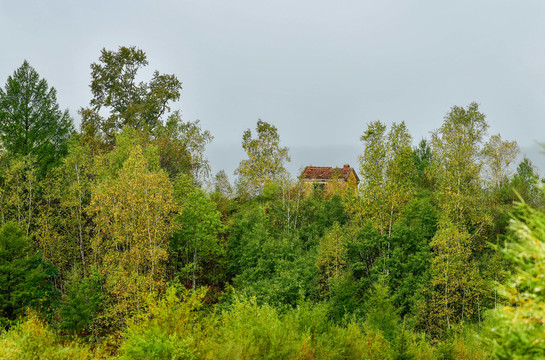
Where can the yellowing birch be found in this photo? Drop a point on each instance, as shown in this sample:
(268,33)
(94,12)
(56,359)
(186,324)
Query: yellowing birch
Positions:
(498,156)
(132,217)
(387,171)
(265,161)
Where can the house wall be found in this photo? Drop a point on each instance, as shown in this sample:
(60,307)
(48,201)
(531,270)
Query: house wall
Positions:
(332,187)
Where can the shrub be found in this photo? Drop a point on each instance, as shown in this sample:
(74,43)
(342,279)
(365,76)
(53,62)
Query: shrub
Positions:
(32,339)
(168,329)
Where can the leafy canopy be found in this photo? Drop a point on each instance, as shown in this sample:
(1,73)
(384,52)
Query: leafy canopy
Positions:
(115,88)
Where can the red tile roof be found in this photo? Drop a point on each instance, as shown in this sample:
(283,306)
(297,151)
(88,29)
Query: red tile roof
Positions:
(327,173)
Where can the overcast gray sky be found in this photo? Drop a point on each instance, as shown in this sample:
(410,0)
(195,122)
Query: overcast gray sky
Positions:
(318,70)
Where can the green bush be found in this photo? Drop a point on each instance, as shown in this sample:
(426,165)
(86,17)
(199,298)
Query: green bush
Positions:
(155,343)
(516,329)
(81,302)
(32,339)
(250,331)
(25,279)
(167,329)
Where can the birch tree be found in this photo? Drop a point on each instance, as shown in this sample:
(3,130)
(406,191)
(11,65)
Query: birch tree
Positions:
(387,171)
(455,290)
(181,146)
(373,164)
(456,149)
(132,212)
(400,171)
(265,162)
(498,156)
(332,254)
(19,191)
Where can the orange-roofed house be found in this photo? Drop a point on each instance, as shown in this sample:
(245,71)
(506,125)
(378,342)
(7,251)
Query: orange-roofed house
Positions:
(330,180)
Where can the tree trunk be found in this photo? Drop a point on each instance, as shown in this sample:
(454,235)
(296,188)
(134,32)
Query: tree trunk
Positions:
(194,268)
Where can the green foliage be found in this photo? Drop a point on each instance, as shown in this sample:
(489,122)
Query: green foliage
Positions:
(25,279)
(457,289)
(250,331)
(139,105)
(380,312)
(422,157)
(19,190)
(167,329)
(132,209)
(410,255)
(265,161)
(499,155)
(516,329)
(81,302)
(464,342)
(366,259)
(332,254)
(31,122)
(351,342)
(292,273)
(387,172)
(317,215)
(33,339)
(152,343)
(452,278)
(222,185)
(373,161)
(344,297)
(196,238)
(456,150)
(525,183)
(110,164)
(366,254)
(181,147)
(74,185)
(274,267)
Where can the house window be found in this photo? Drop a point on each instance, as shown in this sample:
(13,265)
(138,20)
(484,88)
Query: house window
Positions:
(319,187)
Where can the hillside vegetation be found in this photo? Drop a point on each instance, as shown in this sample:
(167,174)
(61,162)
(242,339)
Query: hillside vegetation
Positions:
(116,241)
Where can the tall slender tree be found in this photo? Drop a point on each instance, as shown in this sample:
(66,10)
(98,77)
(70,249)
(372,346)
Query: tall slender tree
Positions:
(332,254)
(373,164)
(400,184)
(265,161)
(132,208)
(457,149)
(456,290)
(387,170)
(498,156)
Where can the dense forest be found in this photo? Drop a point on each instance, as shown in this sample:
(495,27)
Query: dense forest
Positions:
(116,241)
